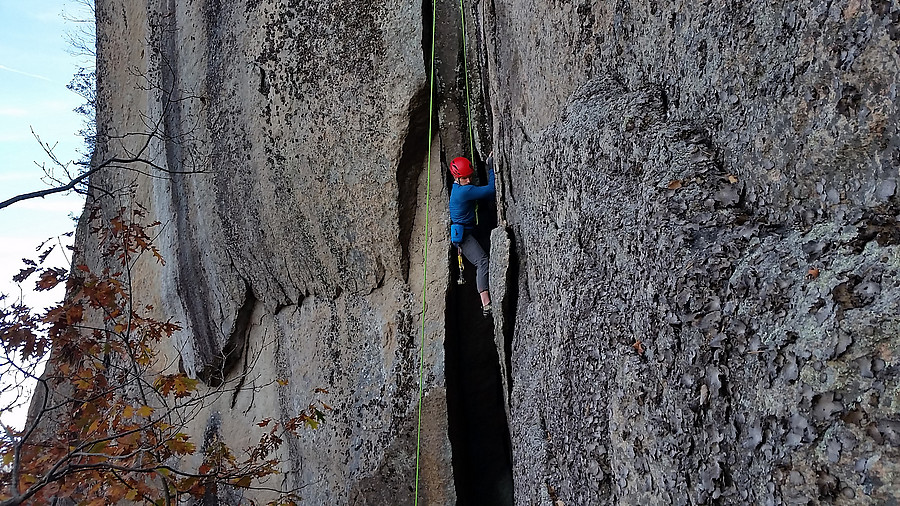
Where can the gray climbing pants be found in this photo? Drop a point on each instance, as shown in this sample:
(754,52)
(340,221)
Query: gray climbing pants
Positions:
(475,254)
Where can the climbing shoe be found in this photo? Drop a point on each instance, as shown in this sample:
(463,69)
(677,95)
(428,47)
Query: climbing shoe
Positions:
(486,310)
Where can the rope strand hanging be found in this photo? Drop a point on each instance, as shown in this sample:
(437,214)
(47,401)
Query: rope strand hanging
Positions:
(471,132)
(425,260)
(470,123)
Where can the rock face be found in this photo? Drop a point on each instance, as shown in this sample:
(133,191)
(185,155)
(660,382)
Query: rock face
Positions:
(695,271)
(704,211)
(290,144)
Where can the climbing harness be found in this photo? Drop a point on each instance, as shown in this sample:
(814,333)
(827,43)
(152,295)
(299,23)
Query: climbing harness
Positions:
(425,259)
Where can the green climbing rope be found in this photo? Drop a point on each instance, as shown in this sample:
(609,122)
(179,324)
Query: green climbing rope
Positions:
(428,205)
(425,260)
(462,18)
(471,128)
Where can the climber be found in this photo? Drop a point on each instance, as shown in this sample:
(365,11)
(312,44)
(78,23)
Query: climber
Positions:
(462,219)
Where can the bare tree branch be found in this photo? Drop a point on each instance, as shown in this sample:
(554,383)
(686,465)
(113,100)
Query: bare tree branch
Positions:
(118,163)
(49,191)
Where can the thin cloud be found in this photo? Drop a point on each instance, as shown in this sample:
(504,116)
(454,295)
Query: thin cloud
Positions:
(13,112)
(35,76)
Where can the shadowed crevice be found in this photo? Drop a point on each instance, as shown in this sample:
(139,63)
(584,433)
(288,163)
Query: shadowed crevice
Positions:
(221,366)
(412,158)
(509,307)
(479,432)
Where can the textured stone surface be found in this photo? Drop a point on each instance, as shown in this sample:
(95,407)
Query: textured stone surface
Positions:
(293,223)
(699,217)
(673,174)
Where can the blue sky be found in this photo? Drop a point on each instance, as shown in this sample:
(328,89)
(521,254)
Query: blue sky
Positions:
(35,66)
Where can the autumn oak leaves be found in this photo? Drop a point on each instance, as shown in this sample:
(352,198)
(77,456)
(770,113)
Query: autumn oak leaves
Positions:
(109,416)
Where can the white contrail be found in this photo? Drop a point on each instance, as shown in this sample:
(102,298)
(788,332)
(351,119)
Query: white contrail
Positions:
(4,67)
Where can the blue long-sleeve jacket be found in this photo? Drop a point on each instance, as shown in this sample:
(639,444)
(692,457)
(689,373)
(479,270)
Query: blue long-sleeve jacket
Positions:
(463,197)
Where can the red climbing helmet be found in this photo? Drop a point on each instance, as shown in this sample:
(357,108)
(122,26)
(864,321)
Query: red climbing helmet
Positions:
(461,167)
